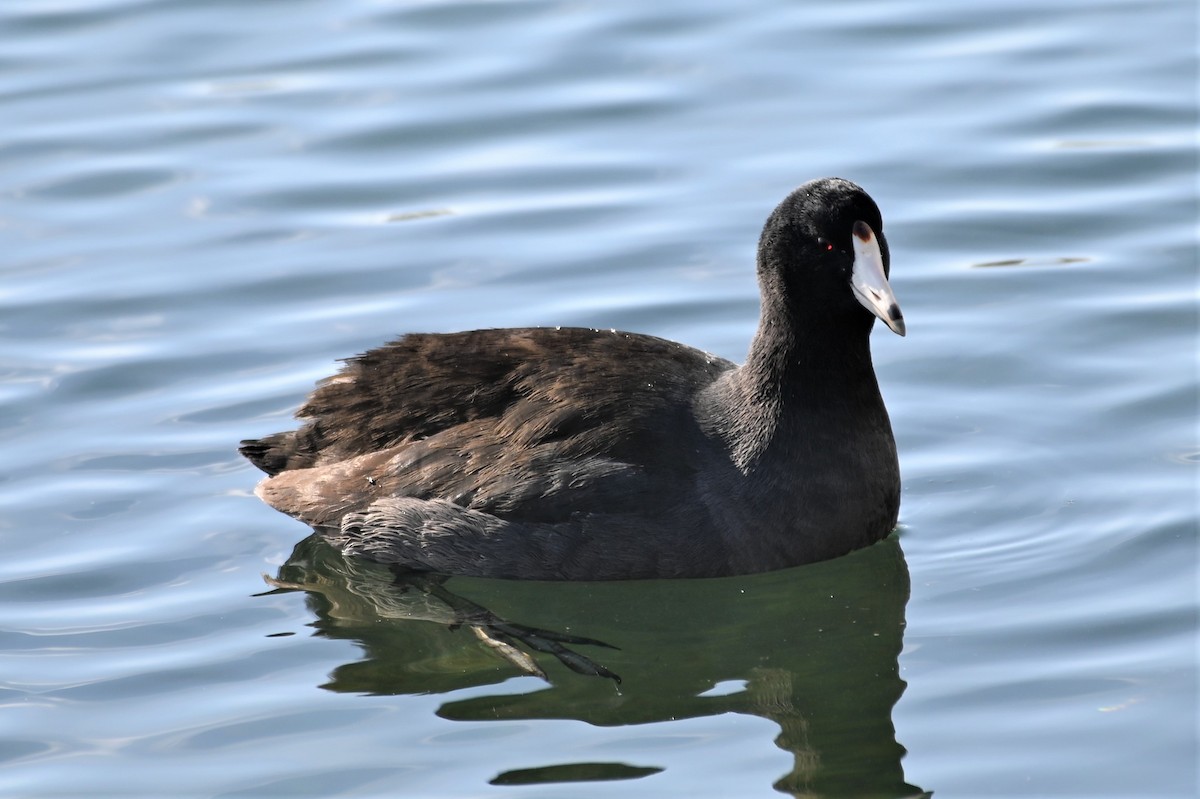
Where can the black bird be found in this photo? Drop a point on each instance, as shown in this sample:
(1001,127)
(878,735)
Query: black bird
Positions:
(576,454)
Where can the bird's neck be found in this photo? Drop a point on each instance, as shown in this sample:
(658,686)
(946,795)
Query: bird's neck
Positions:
(802,359)
(798,375)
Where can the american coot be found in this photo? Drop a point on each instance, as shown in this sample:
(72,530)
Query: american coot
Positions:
(575,454)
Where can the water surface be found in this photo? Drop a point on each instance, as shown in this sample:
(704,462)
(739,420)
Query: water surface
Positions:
(204,205)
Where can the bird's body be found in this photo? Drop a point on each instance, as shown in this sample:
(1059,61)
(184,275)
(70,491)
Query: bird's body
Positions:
(568,453)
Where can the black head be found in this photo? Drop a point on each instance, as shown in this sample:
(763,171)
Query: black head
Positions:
(824,256)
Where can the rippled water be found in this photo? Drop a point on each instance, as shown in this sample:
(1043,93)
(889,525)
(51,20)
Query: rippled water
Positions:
(203,205)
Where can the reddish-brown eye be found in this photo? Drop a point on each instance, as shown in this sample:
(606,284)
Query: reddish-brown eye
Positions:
(826,244)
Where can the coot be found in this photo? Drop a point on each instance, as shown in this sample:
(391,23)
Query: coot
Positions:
(575,454)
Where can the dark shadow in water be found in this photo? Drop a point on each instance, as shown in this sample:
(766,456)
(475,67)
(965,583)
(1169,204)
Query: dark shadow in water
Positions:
(813,649)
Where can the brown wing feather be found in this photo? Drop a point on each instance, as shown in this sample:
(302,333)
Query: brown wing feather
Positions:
(534,385)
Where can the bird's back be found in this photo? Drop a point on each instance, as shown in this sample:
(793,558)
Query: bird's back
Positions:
(534,424)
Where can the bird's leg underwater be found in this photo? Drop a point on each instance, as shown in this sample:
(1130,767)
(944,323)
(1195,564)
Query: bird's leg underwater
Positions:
(503,636)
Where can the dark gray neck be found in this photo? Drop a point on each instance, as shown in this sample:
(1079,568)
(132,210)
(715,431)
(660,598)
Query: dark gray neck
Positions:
(798,375)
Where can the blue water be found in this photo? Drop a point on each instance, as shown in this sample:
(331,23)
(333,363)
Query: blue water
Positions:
(204,205)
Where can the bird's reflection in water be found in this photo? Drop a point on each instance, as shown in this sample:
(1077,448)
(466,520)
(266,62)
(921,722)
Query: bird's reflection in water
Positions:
(358,589)
(813,649)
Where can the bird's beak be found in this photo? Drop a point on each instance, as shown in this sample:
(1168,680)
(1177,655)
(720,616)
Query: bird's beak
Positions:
(870,283)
